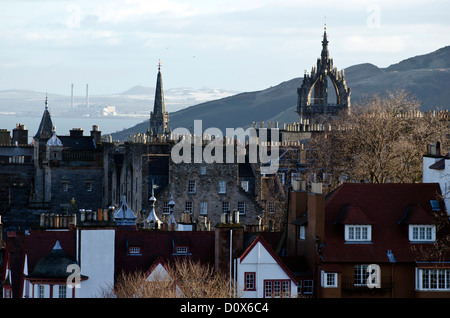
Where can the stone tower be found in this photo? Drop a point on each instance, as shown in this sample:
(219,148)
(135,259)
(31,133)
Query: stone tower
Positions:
(41,179)
(159,118)
(313,94)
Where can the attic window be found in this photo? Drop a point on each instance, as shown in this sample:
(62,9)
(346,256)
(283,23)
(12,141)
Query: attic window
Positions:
(422,233)
(435,205)
(181,250)
(358,233)
(134,250)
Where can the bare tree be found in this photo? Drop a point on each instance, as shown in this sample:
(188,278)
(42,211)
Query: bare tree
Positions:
(381,140)
(182,278)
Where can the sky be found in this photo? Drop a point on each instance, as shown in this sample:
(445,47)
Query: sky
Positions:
(241,45)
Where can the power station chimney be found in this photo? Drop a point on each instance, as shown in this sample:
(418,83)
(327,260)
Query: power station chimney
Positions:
(87,95)
(72,98)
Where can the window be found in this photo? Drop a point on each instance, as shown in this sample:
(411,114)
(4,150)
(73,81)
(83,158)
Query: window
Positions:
(222,187)
(244,185)
(134,250)
(241,207)
(181,250)
(203,208)
(422,233)
(433,279)
(203,170)
(295,176)
(188,207)
(271,207)
(250,281)
(166,207)
(191,186)
(41,291)
(62,291)
(281,176)
(225,207)
(276,288)
(89,186)
(358,233)
(435,204)
(65,186)
(360,275)
(308,287)
(329,279)
(302,232)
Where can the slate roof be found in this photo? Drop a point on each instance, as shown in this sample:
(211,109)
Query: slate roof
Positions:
(82,143)
(53,265)
(387,207)
(46,127)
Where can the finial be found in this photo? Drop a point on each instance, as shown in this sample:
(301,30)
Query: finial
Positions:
(159,65)
(325,24)
(46,101)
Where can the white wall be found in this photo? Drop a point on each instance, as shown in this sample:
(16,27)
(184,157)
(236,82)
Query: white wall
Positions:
(440,176)
(96,260)
(265,267)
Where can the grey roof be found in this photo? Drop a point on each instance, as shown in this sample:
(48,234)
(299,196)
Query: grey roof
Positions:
(53,265)
(46,127)
(84,143)
(124,215)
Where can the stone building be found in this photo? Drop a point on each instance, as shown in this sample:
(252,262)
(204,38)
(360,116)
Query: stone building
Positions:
(68,169)
(313,95)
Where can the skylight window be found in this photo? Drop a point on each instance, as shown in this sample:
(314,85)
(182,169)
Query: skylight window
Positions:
(435,205)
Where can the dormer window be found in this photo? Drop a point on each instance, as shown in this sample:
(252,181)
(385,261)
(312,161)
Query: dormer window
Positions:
(181,250)
(358,233)
(134,250)
(422,233)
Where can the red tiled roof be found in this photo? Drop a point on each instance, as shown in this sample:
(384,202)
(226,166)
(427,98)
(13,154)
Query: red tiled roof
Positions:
(353,215)
(156,244)
(385,205)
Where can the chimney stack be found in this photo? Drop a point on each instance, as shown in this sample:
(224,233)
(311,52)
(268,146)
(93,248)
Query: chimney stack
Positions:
(228,232)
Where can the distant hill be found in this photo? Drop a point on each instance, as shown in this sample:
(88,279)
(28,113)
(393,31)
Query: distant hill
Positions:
(425,76)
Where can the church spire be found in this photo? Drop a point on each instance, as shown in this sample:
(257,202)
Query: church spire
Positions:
(159,106)
(159,118)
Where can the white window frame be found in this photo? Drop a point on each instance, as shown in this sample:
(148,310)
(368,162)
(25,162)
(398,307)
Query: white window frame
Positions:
(422,233)
(244,185)
(203,208)
(433,279)
(358,233)
(241,207)
(329,279)
(302,232)
(222,186)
